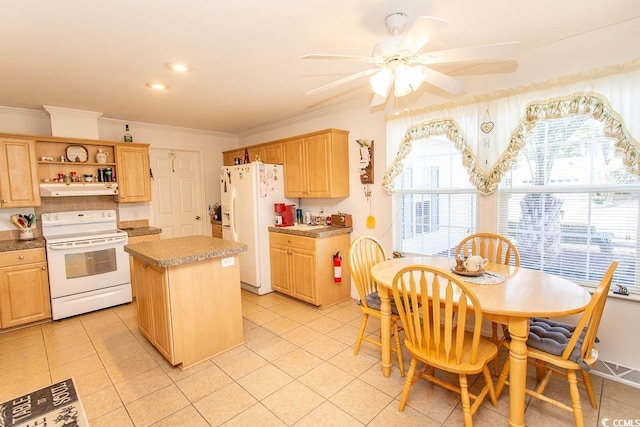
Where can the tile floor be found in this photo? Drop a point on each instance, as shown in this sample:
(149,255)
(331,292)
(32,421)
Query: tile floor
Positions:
(296,368)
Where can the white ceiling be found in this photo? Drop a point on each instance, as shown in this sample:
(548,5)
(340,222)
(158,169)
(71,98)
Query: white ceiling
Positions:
(98,55)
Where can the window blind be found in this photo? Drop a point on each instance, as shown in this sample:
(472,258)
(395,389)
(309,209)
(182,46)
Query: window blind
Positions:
(569,204)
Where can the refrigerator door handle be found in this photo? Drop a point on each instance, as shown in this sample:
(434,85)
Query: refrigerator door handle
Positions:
(232,215)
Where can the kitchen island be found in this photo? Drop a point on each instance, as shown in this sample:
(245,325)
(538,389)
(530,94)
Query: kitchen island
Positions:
(188,296)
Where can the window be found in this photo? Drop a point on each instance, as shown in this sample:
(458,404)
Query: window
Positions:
(570,205)
(434,201)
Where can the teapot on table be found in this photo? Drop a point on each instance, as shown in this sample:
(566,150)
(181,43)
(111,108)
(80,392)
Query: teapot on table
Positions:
(475,263)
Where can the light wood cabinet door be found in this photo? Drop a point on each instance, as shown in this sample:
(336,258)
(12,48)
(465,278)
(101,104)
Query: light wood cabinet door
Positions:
(295,178)
(24,288)
(160,312)
(272,153)
(140,282)
(303,274)
(134,184)
(228,157)
(318,168)
(152,303)
(138,239)
(216,230)
(280,270)
(19,185)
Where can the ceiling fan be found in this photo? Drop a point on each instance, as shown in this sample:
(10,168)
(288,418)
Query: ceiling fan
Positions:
(400,63)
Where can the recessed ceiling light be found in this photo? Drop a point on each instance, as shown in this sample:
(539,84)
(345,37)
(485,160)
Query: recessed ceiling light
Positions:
(180,68)
(157,86)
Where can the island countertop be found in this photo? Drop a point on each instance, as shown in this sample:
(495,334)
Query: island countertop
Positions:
(183,250)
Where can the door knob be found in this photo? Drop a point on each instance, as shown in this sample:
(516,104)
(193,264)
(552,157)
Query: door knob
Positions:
(198,218)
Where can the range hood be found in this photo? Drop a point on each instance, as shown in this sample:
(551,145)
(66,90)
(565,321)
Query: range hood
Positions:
(94,189)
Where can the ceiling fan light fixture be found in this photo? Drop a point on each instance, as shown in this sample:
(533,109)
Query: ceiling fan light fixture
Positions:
(408,79)
(381,82)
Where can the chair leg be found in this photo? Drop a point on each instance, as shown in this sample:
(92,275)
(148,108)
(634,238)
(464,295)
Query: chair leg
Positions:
(396,334)
(504,375)
(408,382)
(496,340)
(586,378)
(466,404)
(575,398)
(363,325)
(492,390)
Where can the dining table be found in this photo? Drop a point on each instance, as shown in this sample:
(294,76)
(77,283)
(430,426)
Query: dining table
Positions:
(514,295)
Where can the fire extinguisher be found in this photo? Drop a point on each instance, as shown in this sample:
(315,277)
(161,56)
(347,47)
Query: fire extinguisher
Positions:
(337,267)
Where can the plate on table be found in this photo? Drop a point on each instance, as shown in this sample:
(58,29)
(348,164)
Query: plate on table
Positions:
(468,273)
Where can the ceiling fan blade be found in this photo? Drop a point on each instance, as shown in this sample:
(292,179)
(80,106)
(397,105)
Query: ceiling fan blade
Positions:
(368,59)
(343,80)
(441,80)
(378,100)
(421,32)
(473,53)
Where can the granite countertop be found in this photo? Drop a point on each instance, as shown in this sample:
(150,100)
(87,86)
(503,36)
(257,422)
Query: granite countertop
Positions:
(141,231)
(315,232)
(18,245)
(183,250)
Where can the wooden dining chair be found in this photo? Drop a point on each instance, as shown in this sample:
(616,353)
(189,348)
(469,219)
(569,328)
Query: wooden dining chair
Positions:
(426,299)
(561,349)
(498,250)
(364,253)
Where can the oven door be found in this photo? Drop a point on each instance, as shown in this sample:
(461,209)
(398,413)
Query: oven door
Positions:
(87,265)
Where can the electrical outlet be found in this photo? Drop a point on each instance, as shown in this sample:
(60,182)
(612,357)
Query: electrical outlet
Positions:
(228,262)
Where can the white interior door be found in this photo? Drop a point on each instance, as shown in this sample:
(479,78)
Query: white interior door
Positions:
(176,191)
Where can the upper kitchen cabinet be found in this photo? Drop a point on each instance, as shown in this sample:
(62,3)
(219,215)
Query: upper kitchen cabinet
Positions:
(228,157)
(132,163)
(18,173)
(270,152)
(316,165)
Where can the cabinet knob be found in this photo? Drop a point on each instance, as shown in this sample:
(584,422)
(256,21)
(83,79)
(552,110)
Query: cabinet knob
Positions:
(21,257)
(4,201)
(44,268)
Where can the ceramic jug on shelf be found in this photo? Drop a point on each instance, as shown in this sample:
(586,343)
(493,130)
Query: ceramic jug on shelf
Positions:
(101,156)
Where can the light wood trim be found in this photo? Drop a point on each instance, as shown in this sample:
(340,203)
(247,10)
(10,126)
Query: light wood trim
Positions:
(138,239)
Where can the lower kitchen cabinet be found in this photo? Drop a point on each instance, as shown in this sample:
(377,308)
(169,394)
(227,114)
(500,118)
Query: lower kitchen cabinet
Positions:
(138,239)
(302,267)
(24,287)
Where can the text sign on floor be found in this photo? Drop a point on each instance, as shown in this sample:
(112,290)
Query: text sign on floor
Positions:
(52,406)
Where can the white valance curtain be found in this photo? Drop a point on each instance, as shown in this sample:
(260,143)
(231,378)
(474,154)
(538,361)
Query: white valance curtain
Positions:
(611,95)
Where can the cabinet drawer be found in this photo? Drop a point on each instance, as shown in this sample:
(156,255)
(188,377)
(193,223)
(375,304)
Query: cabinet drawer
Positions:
(25,256)
(298,242)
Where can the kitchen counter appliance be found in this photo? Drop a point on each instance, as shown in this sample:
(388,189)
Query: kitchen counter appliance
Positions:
(88,267)
(248,194)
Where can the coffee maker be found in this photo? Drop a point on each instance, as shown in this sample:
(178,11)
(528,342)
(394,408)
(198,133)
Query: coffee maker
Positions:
(284,214)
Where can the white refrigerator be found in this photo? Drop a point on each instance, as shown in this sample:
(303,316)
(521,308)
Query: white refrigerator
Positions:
(248,193)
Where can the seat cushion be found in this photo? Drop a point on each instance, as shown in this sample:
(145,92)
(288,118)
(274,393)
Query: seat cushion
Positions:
(552,337)
(373,301)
